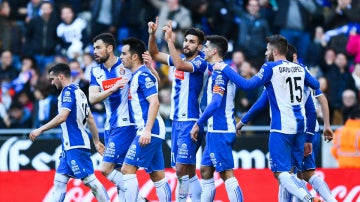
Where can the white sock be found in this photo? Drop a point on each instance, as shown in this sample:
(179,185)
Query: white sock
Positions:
(195,189)
(97,188)
(284,195)
(293,186)
(233,190)
(182,188)
(116,177)
(60,182)
(163,190)
(208,190)
(322,188)
(131,187)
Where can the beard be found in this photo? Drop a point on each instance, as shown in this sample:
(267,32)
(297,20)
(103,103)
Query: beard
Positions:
(270,58)
(190,53)
(103,59)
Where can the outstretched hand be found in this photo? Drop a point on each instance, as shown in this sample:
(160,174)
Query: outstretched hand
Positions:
(147,59)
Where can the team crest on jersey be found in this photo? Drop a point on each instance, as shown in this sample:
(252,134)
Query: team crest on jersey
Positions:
(122,71)
(67,97)
(149,83)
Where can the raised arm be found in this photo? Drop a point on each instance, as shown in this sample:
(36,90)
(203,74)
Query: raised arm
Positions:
(241,82)
(179,63)
(153,48)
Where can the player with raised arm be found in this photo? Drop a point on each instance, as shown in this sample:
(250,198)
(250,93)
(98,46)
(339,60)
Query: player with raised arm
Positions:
(185,111)
(221,132)
(146,149)
(74,113)
(284,82)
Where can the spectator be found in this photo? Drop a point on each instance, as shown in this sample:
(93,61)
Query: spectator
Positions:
(24,78)
(20,117)
(87,64)
(45,105)
(347,142)
(7,70)
(25,97)
(33,9)
(237,59)
(293,21)
(72,31)
(5,24)
(337,21)
(41,38)
(317,49)
(328,60)
(353,45)
(77,75)
(105,17)
(6,93)
(179,15)
(341,80)
(253,29)
(349,102)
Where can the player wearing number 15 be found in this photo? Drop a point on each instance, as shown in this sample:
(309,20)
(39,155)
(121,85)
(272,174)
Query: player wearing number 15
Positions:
(284,82)
(74,113)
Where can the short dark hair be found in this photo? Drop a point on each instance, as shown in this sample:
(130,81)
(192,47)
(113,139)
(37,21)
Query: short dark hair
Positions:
(291,51)
(279,42)
(60,68)
(219,42)
(196,32)
(136,46)
(107,38)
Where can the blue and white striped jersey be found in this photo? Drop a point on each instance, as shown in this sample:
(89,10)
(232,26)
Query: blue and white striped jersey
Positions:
(284,82)
(142,86)
(186,88)
(116,105)
(219,112)
(74,135)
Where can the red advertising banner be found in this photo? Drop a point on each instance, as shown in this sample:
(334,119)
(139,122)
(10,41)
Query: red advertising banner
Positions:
(256,184)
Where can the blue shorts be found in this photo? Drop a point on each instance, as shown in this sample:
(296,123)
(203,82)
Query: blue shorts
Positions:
(218,151)
(118,141)
(76,163)
(309,161)
(149,157)
(183,148)
(286,151)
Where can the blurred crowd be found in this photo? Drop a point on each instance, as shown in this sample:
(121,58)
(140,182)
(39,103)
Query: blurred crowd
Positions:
(36,33)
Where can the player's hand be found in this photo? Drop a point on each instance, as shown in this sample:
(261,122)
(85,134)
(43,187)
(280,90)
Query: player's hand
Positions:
(239,125)
(219,66)
(147,59)
(307,149)
(120,84)
(152,26)
(100,148)
(34,134)
(168,31)
(194,132)
(328,134)
(145,138)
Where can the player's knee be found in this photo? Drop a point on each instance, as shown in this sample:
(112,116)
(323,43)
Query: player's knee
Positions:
(206,172)
(60,181)
(307,174)
(181,170)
